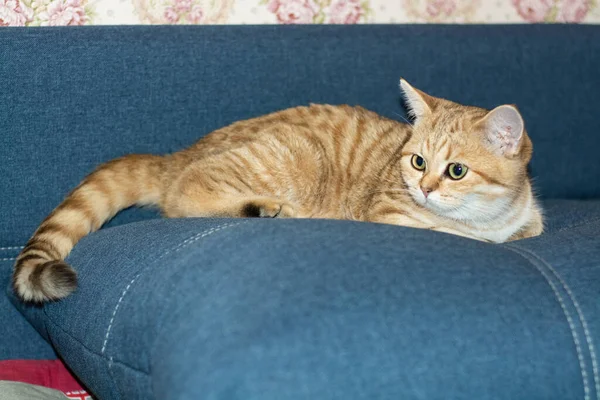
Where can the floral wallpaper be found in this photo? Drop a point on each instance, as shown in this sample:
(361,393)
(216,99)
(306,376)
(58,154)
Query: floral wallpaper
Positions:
(116,12)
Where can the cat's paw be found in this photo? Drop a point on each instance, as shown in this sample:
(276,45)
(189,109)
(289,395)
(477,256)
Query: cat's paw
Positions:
(286,211)
(276,210)
(268,209)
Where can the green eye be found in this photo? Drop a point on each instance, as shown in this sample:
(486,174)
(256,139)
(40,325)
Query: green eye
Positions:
(418,162)
(457,171)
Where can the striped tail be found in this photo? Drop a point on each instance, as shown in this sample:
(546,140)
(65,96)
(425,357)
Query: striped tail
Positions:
(41,274)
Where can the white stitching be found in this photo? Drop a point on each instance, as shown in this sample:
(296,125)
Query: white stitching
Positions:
(115,312)
(11,248)
(199,236)
(8,259)
(177,248)
(586,388)
(586,331)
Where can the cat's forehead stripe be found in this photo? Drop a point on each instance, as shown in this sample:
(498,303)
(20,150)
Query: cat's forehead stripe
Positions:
(449,153)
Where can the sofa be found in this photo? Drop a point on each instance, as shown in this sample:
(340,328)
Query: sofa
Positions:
(275,309)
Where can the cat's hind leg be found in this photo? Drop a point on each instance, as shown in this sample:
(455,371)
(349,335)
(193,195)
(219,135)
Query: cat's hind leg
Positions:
(223,187)
(230,206)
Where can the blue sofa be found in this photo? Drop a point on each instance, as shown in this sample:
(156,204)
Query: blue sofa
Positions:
(302,309)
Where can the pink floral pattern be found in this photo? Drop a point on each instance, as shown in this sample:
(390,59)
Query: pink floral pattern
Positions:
(442,11)
(553,10)
(437,8)
(533,10)
(183,11)
(318,11)
(294,11)
(345,12)
(117,12)
(14,13)
(574,10)
(64,12)
(44,12)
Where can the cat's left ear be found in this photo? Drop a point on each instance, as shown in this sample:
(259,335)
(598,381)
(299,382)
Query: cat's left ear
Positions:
(503,130)
(419,104)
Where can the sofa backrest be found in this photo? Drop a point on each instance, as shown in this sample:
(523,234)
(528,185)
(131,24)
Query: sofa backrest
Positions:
(71,98)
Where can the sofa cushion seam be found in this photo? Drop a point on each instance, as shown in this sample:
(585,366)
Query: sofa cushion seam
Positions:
(579,311)
(10,248)
(561,301)
(84,346)
(178,247)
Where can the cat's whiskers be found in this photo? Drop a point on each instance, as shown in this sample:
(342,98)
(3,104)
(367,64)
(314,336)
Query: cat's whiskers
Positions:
(404,118)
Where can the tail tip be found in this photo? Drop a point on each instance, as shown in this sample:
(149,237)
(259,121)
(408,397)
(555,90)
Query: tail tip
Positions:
(50,281)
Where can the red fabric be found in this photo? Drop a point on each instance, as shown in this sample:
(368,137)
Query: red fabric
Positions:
(48,373)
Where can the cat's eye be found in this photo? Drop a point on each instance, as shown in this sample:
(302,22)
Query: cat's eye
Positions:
(457,171)
(418,162)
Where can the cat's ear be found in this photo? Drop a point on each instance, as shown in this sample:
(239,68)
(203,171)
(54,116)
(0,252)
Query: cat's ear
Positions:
(419,104)
(503,130)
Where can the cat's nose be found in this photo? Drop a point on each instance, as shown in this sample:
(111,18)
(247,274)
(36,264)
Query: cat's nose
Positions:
(426,190)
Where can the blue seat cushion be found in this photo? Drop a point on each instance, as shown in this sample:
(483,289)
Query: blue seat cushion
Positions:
(315,309)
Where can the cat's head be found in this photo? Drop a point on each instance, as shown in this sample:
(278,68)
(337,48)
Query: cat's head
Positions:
(463,162)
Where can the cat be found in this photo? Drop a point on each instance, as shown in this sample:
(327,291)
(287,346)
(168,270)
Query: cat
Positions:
(457,169)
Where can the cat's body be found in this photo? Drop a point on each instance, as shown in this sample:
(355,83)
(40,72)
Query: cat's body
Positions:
(320,161)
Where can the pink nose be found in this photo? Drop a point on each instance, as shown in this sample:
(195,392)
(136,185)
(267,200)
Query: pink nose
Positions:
(426,191)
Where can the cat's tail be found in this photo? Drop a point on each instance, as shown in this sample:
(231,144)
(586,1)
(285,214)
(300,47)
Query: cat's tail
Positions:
(40,273)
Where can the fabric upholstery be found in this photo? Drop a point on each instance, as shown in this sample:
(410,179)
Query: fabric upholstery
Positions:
(18,340)
(296,309)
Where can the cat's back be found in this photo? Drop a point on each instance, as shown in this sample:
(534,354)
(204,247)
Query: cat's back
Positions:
(328,123)
(333,139)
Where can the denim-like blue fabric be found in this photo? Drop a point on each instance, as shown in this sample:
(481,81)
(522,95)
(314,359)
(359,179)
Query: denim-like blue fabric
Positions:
(18,340)
(72,98)
(313,309)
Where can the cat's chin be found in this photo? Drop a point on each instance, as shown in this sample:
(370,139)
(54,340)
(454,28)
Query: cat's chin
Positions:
(437,206)
(418,198)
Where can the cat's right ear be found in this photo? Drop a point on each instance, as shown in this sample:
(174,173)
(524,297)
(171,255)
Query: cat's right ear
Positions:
(419,104)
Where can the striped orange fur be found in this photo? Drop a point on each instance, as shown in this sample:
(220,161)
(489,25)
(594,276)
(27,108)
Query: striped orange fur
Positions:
(320,161)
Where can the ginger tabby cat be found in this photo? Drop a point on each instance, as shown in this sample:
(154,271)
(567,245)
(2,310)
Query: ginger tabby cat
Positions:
(458,169)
